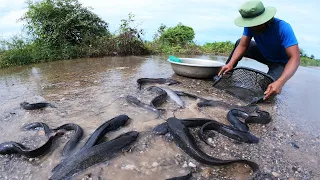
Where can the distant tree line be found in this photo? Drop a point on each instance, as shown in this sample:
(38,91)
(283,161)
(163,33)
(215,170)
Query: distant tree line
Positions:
(64,29)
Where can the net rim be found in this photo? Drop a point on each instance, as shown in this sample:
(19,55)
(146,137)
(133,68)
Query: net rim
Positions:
(229,74)
(218,78)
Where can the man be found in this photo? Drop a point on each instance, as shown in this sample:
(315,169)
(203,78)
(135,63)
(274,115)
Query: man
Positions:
(275,44)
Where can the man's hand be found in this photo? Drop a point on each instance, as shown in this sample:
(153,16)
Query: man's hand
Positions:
(273,89)
(225,69)
(289,70)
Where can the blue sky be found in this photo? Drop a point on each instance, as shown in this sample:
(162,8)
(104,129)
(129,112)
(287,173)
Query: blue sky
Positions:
(212,20)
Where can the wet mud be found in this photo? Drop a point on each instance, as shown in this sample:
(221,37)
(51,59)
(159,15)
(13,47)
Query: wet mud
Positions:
(89,92)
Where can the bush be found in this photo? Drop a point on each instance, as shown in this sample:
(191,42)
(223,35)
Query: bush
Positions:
(19,52)
(218,47)
(305,61)
(129,41)
(179,35)
(60,22)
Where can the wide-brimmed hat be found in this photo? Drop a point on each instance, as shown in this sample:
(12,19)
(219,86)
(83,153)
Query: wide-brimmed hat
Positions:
(253,13)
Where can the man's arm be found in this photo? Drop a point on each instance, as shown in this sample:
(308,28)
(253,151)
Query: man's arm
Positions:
(238,52)
(240,49)
(292,65)
(290,69)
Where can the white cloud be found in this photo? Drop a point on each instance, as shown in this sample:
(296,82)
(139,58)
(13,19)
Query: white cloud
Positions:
(11,5)
(10,20)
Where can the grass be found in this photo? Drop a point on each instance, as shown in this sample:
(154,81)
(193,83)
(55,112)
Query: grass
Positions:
(21,52)
(306,61)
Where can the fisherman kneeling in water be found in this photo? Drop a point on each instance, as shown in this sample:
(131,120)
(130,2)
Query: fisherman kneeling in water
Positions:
(275,44)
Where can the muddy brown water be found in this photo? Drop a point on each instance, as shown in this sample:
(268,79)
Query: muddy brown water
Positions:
(89,92)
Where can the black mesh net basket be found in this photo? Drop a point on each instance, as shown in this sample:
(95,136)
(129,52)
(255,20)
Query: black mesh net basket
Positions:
(244,83)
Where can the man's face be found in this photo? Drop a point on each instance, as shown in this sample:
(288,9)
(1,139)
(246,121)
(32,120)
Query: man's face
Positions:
(259,29)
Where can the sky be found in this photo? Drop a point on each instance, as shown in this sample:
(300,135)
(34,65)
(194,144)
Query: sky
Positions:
(212,20)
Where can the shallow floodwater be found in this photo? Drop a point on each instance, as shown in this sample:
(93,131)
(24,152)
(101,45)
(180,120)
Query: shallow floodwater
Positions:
(89,92)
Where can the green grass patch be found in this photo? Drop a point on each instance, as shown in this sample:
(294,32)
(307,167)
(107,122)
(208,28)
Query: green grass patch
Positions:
(306,61)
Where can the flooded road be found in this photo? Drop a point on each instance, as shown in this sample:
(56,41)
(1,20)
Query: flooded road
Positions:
(89,92)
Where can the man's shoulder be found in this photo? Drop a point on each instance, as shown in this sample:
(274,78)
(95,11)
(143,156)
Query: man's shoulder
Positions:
(281,23)
(285,32)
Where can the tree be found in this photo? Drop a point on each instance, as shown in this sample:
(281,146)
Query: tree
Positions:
(60,22)
(178,35)
(129,41)
(159,32)
(312,56)
(302,53)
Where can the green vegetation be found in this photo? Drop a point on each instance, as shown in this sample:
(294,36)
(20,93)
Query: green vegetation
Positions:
(64,29)
(179,40)
(306,61)
(178,35)
(218,47)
